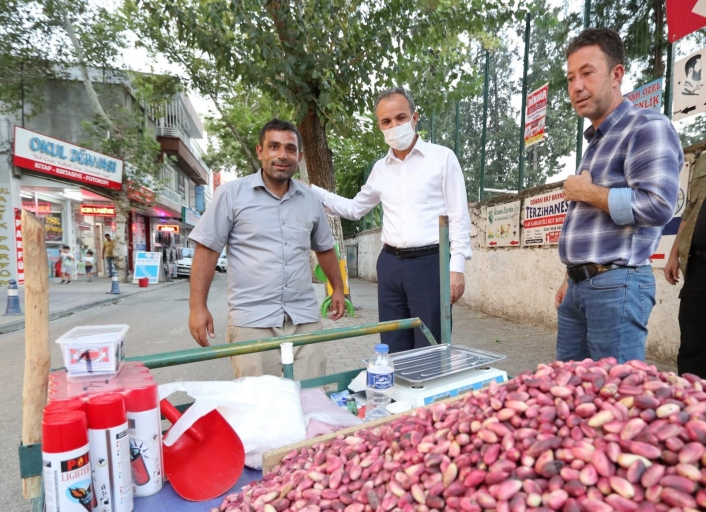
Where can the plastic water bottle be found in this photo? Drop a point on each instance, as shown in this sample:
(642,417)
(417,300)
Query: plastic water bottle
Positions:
(381,377)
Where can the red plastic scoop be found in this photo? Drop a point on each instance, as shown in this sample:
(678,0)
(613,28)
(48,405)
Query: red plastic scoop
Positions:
(206,460)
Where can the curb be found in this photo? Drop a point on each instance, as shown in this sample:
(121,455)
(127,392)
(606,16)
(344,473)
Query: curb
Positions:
(19,324)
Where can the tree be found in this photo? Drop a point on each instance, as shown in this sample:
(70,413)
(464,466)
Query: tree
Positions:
(322,58)
(248,110)
(46,39)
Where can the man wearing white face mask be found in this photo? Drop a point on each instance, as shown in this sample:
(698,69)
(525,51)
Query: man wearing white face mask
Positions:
(416,182)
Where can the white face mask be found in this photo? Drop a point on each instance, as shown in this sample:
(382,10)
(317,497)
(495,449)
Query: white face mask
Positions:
(400,137)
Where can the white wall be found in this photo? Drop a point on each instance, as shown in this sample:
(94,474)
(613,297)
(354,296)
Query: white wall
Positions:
(519,283)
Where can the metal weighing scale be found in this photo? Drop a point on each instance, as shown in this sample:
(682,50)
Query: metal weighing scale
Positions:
(429,374)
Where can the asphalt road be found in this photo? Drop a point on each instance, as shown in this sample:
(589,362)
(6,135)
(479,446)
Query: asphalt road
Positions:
(158,323)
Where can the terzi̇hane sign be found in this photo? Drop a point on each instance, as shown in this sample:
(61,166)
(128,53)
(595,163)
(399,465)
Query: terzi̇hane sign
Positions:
(38,152)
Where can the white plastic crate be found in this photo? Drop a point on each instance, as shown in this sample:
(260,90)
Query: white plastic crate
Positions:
(94,349)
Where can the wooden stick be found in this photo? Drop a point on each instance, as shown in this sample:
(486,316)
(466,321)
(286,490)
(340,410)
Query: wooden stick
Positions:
(37,355)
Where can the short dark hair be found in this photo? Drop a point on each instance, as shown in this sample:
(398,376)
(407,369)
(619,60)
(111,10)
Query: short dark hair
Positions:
(107,234)
(66,247)
(607,40)
(691,63)
(89,252)
(391,92)
(277,125)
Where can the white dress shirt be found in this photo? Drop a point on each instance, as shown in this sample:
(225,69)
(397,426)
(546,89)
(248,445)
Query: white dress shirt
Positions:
(414,192)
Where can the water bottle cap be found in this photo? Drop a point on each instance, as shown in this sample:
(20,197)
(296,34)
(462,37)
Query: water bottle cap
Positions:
(381,348)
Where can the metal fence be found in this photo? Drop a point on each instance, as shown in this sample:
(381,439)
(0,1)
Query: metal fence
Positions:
(486,129)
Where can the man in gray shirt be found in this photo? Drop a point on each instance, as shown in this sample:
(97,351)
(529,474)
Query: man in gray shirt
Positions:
(269,224)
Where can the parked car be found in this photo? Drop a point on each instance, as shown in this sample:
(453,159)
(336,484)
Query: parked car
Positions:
(184,264)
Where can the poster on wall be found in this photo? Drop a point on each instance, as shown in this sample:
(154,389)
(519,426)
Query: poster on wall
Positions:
(503,225)
(535,116)
(147,265)
(689,90)
(647,96)
(669,232)
(544,216)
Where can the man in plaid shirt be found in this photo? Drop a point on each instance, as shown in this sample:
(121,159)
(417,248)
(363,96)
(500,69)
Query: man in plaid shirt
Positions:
(623,193)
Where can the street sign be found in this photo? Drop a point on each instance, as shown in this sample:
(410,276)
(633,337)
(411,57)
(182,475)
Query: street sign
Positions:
(147,264)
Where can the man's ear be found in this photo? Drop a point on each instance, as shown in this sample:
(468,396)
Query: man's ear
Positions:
(301,155)
(258,150)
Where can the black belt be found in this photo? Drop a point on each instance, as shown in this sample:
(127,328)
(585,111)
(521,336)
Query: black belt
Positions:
(698,254)
(589,270)
(412,252)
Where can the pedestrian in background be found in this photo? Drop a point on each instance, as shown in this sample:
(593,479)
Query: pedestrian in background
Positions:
(689,255)
(89,260)
(269,224)
(67,264)
(624,192)
(109,254)
(416,182)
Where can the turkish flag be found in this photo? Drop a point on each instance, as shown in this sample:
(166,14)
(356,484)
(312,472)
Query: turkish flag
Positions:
(685,17)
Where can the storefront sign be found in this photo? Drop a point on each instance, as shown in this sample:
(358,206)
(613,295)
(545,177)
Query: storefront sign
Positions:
(98,209)
(189,216)
(54,232)
(19,249)
(535,115)
(38,207)
(689,91)
(199,198)
(647,96)
(544,215)
(503,225)
(168,227)
(139,193)
(147,264)
(41,153)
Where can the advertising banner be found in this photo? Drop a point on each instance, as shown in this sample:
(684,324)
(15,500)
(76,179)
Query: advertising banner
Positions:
(689,92)
(503,225)
(544,216)
(147,264)
(535,115)
(19,247)
(41,153)
(647,96)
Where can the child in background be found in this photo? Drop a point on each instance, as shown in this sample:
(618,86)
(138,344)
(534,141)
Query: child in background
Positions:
(88,260)
(67,264)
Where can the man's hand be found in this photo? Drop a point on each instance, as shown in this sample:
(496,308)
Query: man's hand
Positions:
(201,325)
(578,188)
(671,271)
(458,286)
(561,293)
(338,306)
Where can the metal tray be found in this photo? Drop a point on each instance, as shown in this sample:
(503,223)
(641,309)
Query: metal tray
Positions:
(427,363)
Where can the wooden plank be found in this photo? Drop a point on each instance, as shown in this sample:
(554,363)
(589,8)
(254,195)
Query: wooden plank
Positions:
(37,355)
(272,458)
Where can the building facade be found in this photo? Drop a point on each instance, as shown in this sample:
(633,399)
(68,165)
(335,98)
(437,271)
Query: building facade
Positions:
(49,172)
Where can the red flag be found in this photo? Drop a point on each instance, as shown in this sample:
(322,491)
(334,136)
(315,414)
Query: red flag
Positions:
(685,17)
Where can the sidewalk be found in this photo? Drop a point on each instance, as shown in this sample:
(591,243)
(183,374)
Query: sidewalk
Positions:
(79,295)
(525,345)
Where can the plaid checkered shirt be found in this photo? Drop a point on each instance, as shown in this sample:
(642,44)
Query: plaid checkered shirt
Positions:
(636,153)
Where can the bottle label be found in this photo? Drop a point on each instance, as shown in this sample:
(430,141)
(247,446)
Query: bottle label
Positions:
(381,380)
(67,481)
(145,451)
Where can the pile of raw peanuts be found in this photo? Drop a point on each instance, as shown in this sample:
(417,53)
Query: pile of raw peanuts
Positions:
(581,436)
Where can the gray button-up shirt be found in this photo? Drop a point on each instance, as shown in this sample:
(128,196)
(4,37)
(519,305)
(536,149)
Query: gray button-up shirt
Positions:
(268,241)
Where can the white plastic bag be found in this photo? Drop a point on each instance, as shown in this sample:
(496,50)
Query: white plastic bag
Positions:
(265,412)
(322,415)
